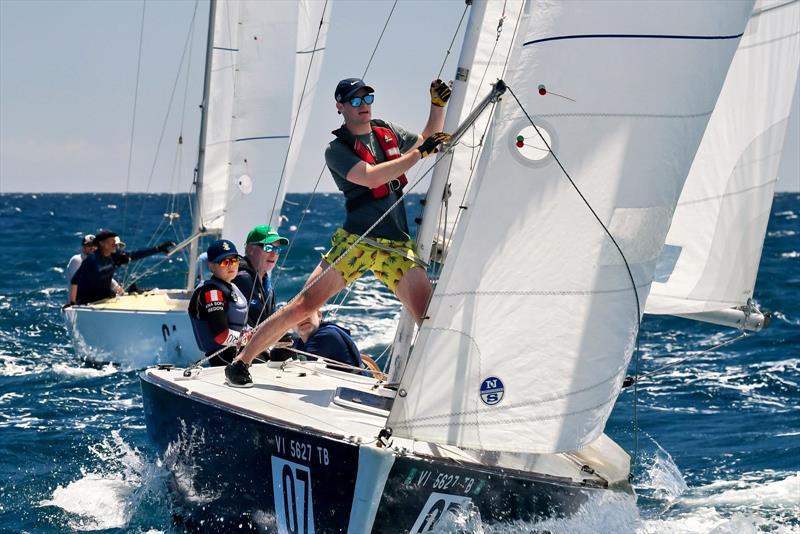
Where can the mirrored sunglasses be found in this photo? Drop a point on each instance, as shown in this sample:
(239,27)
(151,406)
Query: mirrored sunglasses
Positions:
(356,101)
(271,248)
(228,261)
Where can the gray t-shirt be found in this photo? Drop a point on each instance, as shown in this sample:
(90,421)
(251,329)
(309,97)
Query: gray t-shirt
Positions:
(341,158)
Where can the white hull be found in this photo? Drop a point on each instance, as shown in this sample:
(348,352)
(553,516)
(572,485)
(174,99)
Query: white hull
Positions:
(135,331)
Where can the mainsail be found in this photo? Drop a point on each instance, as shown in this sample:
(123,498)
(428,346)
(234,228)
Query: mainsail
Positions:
(713,247)
(263,54)
(534,318)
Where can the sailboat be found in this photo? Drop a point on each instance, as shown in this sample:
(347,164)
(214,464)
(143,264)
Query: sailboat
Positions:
(250,134)
(500,407)
(707,268)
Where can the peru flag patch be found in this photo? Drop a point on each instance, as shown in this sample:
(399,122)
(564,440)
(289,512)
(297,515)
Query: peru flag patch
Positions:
(215,295)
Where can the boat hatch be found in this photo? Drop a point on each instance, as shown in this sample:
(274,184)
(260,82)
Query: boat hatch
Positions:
(363,401)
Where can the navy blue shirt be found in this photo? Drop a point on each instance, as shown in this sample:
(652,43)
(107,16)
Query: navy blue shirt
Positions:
(261,297)
(333,342)
(94,278)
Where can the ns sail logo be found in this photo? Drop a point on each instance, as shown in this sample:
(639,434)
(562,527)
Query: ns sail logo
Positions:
(492,390)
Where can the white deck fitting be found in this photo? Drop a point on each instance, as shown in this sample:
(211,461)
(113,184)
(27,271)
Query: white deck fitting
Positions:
(302,395)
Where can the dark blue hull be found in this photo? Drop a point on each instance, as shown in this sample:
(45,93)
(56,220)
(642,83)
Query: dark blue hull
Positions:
(248,467)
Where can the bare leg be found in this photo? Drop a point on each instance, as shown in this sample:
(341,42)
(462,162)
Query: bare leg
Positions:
(414,291)
(271,330)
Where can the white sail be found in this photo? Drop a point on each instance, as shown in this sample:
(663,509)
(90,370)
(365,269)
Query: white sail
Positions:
(534,319)
(261,52)
(219,116)
(713,248)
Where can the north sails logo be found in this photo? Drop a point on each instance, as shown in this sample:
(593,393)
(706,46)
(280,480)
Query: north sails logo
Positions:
(492,390)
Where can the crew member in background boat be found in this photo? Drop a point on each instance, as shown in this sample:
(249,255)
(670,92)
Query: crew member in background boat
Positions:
(201,270)
(94,279)
(368,160)
(87,247)
(328,340)
(218,309)
(121,257)
(261,250)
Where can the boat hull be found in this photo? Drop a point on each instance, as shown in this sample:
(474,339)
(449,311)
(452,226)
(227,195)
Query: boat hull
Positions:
(304,480)
(135,331)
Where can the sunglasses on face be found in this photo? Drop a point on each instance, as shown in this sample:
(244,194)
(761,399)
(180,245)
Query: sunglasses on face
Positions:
(356,101)
(271,248)
(228,261)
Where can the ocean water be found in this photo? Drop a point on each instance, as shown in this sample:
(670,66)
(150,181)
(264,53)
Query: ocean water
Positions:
(718,434)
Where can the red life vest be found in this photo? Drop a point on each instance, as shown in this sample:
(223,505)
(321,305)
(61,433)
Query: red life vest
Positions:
(391,149)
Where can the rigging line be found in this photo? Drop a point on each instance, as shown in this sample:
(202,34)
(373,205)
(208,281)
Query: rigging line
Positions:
(181,63)
(471,175)
(627,268)
(324,166)
(176,176)
(297,115)
(133,119)
(629,381)
(358,240)
(475,99)
(453,40)
(377,44)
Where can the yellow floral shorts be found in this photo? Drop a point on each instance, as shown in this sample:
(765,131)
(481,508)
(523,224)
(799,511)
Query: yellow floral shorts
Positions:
(388,267)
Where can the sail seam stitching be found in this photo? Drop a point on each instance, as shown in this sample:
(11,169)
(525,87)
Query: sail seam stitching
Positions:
(726,195)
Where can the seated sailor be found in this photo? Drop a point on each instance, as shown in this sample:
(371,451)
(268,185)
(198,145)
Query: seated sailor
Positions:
(328,340)
(94,280)
(87,247)
(262,247)
(218,309)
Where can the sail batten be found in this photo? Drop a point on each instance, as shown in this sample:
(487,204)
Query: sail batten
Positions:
(534,318)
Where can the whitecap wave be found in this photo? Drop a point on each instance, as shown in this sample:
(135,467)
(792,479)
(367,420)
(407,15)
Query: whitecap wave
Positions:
(108,497)
(84,372)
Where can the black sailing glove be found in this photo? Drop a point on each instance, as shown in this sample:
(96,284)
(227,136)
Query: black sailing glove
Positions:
(166,246)
(431,144)
(440,93)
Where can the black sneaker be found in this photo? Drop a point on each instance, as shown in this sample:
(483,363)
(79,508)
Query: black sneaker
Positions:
(237,375)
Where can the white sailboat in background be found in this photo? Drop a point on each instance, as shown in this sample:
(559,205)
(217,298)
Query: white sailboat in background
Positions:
(707,270)
(262,65)
(502,405)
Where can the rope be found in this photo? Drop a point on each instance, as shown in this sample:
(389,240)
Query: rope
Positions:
(631,380)
(453,40)
(186,47)
(299,107)
(133,119)
(377,44)
(627,268)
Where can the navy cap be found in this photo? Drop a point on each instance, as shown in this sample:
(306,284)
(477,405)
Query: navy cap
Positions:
(103,234)
(221,249)
(348,87)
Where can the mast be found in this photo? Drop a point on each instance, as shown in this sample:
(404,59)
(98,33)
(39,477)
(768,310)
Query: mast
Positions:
(430,214)
(197,220)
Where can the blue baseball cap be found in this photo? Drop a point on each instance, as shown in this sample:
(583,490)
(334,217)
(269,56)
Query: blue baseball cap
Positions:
(221,249)
(350,86)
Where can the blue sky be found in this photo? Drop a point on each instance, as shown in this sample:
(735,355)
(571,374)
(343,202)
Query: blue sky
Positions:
(68,71)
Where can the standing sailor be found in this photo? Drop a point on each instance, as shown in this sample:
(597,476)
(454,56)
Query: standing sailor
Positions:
(262,248)
(368,160)
(218,309)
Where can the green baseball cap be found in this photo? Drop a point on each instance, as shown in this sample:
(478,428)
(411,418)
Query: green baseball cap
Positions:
(264,233)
